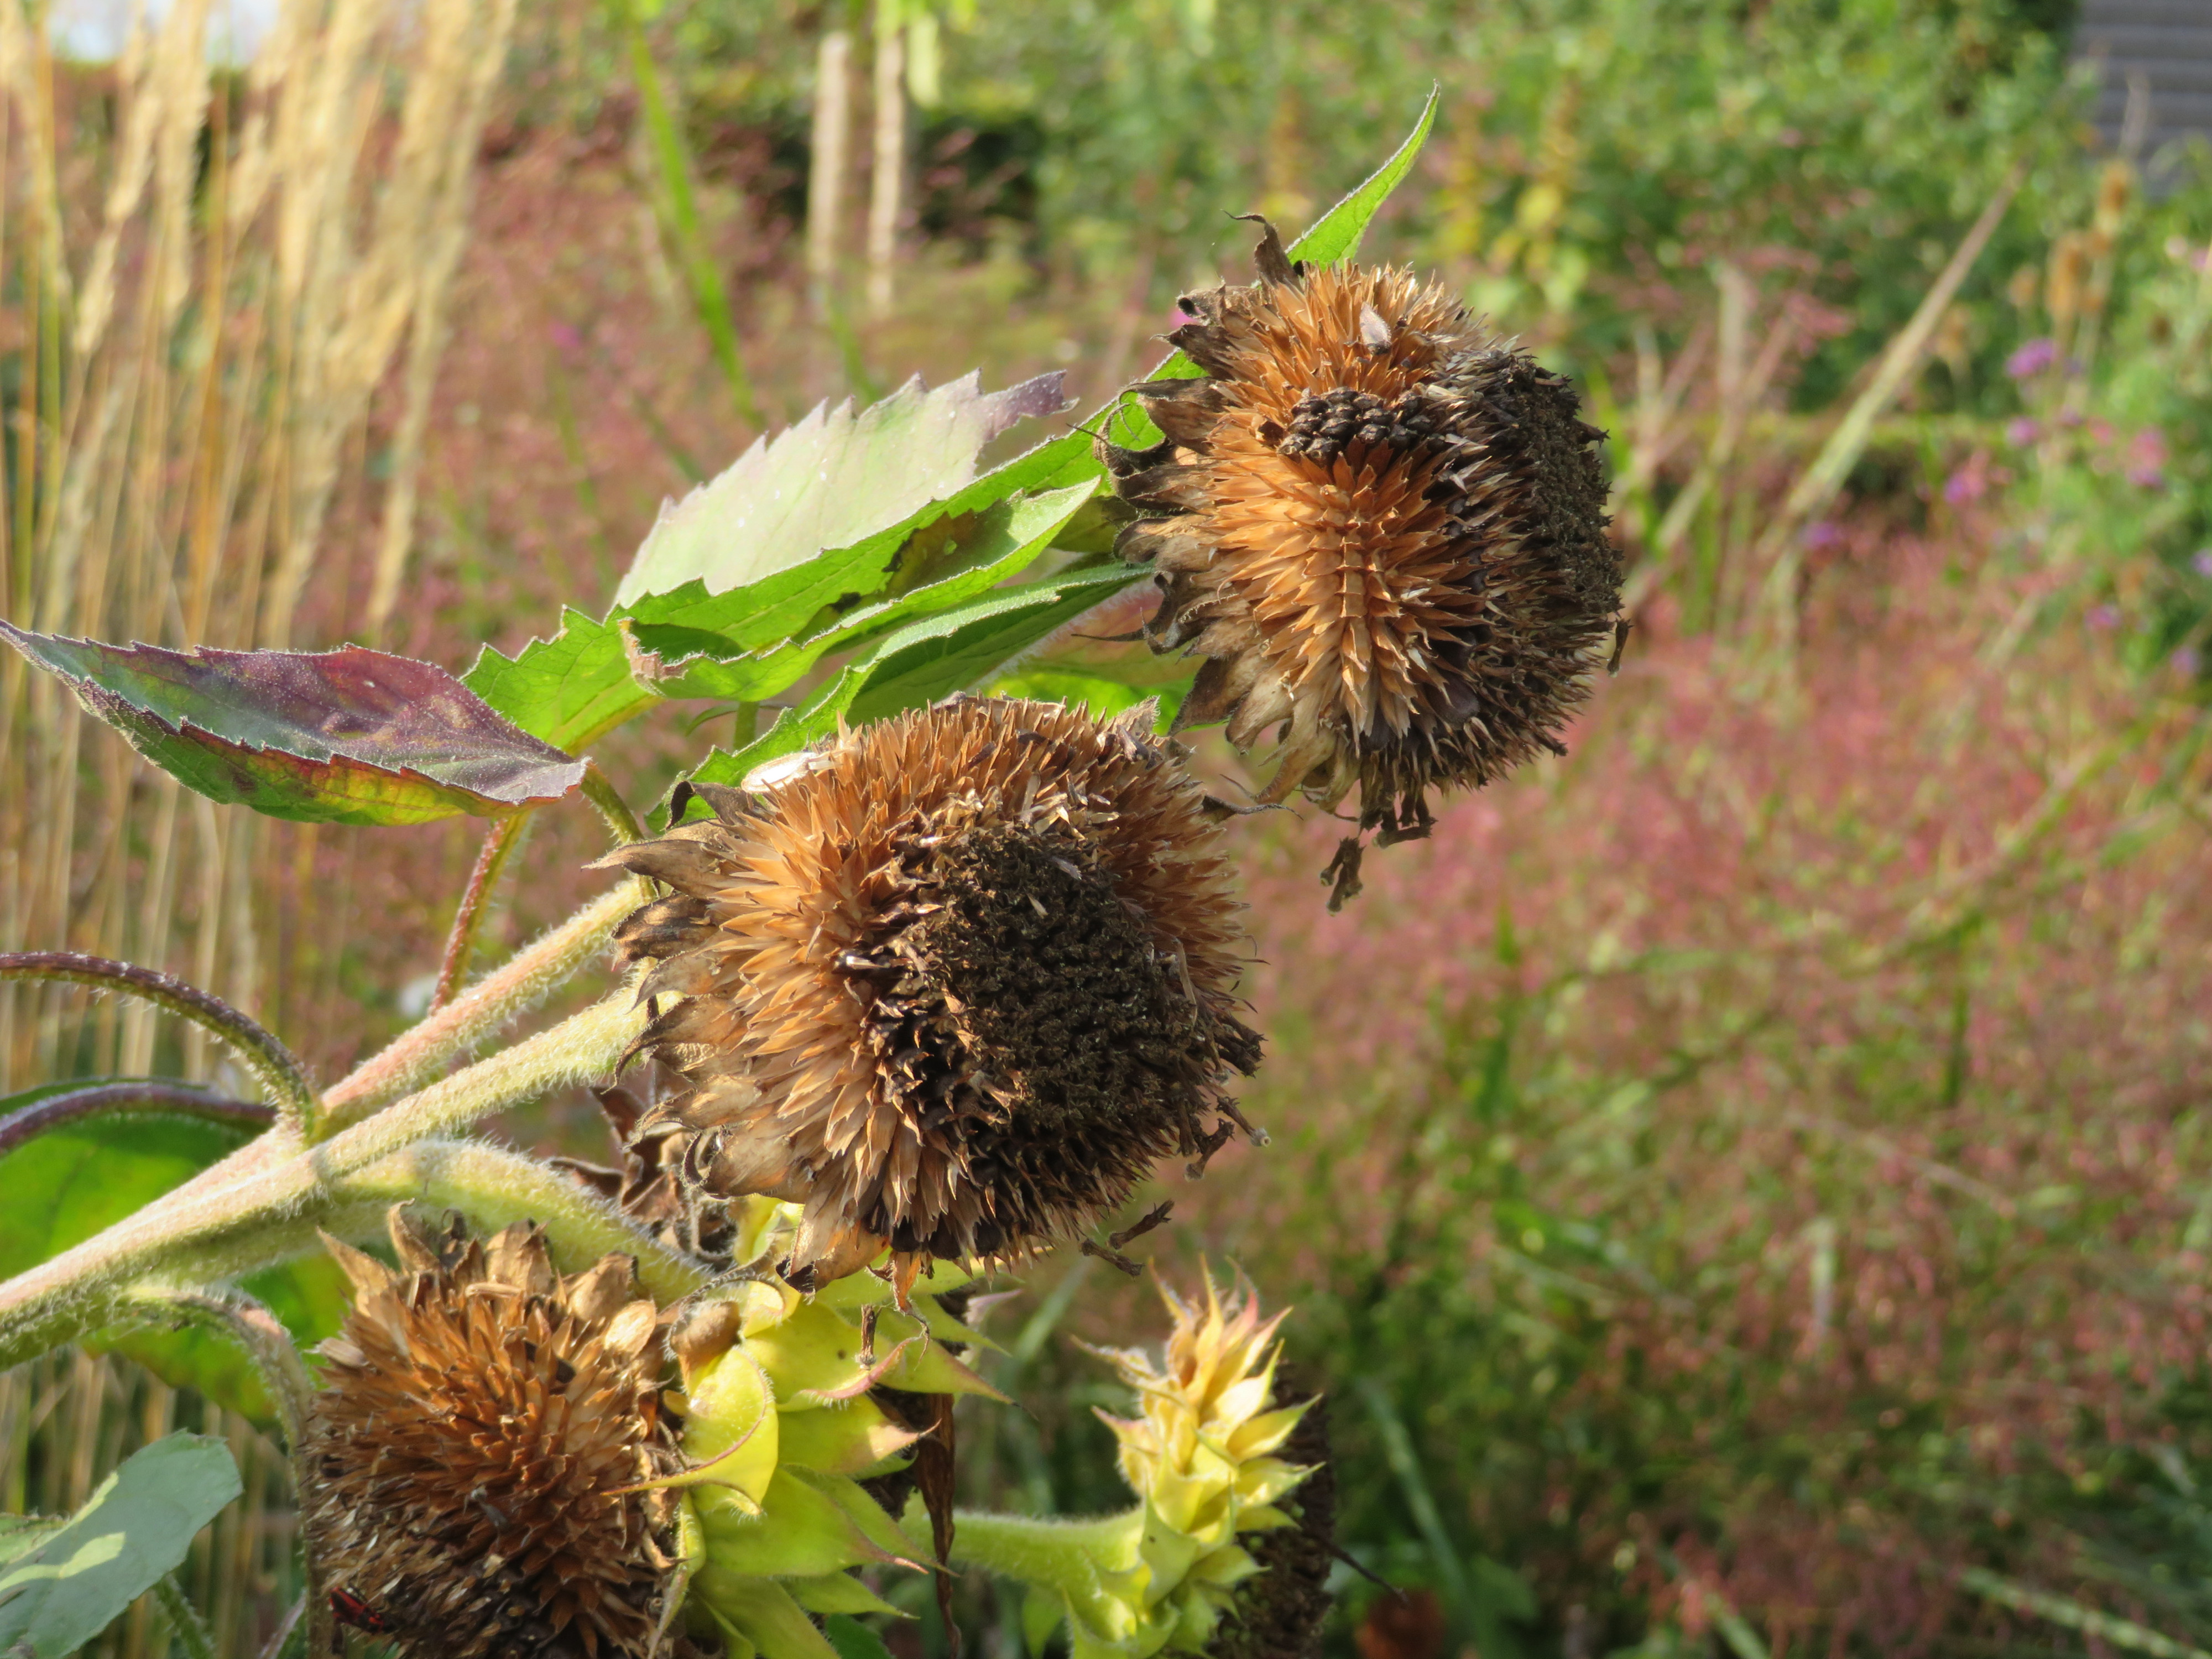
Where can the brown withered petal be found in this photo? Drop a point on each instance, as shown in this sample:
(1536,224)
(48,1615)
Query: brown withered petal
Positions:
(641,1184)
(1383,529)
(957,982)
(1280,1611)
(480,1413)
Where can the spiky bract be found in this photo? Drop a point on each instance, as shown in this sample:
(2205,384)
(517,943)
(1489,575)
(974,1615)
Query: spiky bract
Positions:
(1383,529)
(800,1419)
(1279,1612)
(955,983)
(480,1414)
(1219,1555)
(1201,1452)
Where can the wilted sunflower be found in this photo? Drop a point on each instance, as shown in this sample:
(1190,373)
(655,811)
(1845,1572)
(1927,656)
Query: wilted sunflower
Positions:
(480,1418)
(956,981)
(1383,528)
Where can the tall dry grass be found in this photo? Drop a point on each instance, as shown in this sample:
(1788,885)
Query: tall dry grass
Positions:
(210,277)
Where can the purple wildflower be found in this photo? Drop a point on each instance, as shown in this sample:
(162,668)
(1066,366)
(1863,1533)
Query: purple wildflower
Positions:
(2031,358)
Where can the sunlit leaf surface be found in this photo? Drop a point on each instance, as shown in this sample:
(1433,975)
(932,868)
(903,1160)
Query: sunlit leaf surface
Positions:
(351,736)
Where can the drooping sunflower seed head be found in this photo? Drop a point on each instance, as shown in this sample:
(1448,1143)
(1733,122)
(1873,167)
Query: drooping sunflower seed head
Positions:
(955,983)
(480,1418)
(1383,529)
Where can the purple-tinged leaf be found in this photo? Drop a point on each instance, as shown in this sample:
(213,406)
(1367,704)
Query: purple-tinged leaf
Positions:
(351,736)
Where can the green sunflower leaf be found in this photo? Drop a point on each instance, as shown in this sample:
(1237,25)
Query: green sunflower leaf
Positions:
(351,736)
(853,1639)
(927,660)
(70,1182)
(74,1582)
(733,562)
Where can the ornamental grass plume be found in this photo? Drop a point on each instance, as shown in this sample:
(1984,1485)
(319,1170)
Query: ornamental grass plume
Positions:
(1383,529)
(484,1427)
(955,982)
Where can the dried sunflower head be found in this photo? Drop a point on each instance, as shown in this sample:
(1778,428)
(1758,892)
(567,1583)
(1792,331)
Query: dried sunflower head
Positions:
(956,983)
(1383,529)
(483,1425)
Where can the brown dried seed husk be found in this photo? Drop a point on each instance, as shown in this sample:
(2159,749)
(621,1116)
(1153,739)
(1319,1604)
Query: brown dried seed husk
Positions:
(641,1184)
(478,1414)
(1383,528)
(1280,1611)
(956,985)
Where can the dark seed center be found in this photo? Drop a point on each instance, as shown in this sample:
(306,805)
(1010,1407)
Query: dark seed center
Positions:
(1057,981)
(1323,423)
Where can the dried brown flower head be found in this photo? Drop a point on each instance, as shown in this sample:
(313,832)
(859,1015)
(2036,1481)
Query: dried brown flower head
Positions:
(479,1415)
(1383,529)
(957,983)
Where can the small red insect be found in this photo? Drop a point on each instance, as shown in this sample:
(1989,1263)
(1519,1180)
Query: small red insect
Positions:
(347,1608)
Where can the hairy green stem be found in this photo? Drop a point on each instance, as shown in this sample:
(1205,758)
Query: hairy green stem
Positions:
(277,1361)
(495,1188)
(498,844)
(622,823)
(37,1313)
(269,1059)
(514,988)
(236,1220)
(185,1621)
(140,1099)
(1061,1558)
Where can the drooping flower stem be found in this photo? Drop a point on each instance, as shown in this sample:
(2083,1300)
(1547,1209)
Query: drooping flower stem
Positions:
(267,1058)
(495,1188)
(498,844)
(514,988)
(39,1311)
(245,1212)
(151,1099)
(277,1362)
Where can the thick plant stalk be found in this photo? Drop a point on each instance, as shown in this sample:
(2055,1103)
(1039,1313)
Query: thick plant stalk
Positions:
(518,985)
(267,1058)
(31,1325)
(240,1214)
(495,1188)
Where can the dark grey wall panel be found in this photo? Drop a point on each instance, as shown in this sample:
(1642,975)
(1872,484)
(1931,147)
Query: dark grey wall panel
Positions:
(2168,43)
